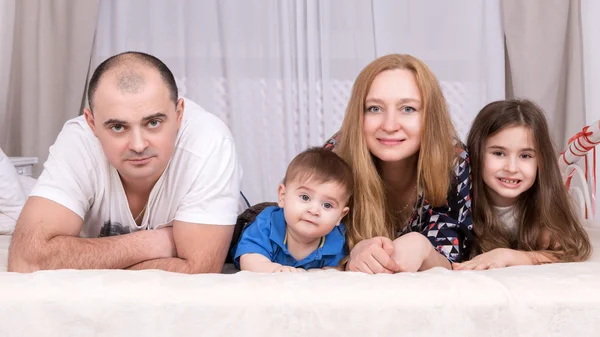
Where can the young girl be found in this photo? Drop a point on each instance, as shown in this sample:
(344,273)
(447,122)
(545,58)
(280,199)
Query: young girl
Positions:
(522,210)
(411,204)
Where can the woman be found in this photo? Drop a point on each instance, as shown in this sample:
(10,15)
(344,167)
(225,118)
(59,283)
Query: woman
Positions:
(411,204)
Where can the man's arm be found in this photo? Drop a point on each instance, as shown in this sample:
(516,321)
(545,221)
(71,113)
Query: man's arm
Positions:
(46,237)
(200,249)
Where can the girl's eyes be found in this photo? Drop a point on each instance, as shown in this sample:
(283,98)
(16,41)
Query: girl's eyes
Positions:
(304,197)
(501,154)
(327,205)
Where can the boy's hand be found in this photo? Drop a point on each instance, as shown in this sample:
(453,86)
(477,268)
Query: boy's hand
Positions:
(288,269)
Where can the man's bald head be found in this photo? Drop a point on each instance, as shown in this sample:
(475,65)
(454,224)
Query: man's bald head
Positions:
(129,68)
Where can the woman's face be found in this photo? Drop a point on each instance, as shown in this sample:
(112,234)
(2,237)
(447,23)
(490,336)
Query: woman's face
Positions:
(392,116)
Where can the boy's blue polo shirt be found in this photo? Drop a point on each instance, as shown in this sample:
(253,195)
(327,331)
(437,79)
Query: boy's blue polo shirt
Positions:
(266,236)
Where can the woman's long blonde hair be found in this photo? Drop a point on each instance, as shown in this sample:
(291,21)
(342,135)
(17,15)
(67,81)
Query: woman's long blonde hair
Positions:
(545,216)
(370,214)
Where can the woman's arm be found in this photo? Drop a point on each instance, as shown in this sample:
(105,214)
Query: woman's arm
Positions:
(414,252)
(449,228)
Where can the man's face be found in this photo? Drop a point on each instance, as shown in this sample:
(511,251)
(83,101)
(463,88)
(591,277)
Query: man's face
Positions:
(137,127)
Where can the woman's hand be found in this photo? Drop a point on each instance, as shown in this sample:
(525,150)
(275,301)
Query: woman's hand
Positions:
(496,258)
(411,250)
(373,256)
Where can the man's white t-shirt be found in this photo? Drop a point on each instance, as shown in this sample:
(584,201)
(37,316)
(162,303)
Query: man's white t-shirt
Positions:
(201,183)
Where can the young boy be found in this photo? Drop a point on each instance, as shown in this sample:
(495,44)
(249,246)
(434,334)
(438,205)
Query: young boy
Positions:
(305,231)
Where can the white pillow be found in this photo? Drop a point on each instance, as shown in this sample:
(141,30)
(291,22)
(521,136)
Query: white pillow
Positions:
(14,190)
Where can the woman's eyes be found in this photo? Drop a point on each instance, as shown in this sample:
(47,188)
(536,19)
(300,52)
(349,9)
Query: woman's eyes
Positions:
(377,109)
(374,109)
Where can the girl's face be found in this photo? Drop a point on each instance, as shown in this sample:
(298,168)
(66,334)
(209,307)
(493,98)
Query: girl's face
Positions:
(509,164)
(392,117)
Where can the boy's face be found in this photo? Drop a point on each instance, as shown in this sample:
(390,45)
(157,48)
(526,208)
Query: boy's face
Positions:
(312,209)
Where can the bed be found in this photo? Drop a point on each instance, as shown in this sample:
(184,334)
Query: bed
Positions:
(547,300)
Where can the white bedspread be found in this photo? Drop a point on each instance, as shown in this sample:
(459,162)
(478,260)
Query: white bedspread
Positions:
(548,300)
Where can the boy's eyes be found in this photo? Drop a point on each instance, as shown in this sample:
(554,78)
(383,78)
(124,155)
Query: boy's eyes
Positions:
(326,205)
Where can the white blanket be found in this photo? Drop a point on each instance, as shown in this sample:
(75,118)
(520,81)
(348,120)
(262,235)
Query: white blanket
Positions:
(548,300)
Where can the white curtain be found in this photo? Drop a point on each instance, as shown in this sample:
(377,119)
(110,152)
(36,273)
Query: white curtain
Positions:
(279,72)
(590,26)
(50,55)
(590,11)
(7,22)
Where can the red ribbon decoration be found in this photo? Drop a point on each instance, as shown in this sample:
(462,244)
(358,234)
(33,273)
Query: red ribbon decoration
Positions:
(577,138)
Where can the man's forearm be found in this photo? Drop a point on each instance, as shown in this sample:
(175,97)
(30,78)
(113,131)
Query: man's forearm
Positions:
(67,252)
(177,265)
(173,264)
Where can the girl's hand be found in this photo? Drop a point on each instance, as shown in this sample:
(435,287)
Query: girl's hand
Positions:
(497,258)
(373,256)
(410,251)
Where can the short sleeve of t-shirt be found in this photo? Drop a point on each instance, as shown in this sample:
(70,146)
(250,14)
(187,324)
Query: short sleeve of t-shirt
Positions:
(70,170)
(213,197)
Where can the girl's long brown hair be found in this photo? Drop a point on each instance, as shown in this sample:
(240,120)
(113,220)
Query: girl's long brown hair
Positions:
(370,214)
(545,215)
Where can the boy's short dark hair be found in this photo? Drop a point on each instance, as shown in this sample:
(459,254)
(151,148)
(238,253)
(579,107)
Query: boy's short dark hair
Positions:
(322,165)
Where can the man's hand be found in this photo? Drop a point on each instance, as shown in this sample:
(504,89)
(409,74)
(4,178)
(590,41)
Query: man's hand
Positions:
(165,243)
(199,248)
(47,237)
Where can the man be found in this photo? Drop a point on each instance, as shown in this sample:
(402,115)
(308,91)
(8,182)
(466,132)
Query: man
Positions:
(135,183)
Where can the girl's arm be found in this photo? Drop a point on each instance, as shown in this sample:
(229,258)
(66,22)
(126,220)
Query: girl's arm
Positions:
(505,257)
